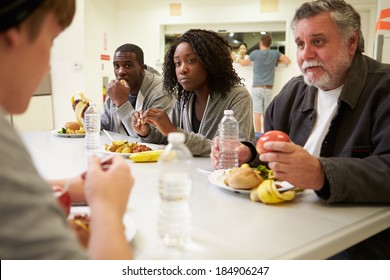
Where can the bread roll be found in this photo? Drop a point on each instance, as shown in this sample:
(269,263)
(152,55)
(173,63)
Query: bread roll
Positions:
(244,178)
(72,126)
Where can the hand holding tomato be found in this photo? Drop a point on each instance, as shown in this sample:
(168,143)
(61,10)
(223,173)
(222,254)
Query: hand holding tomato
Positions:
(272,135)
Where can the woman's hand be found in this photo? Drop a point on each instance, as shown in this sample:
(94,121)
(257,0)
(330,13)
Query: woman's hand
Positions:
(244,153)
(159,119)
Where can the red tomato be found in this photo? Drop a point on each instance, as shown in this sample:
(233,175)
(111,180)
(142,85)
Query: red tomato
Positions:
(272,135)
(63,198)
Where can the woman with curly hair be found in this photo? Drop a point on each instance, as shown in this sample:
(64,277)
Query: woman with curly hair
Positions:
(198,71)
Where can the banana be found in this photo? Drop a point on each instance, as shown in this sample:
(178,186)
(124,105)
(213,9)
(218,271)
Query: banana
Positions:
(80,106)
(253,195)
(147,156)
(287,195)
(268,193)
(81,95)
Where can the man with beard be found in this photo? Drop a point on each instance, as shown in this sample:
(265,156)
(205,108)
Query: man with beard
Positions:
(337,115)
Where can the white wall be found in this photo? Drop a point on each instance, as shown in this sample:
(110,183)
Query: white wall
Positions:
(75,60)
(68,50)
(143,23)
(100,22)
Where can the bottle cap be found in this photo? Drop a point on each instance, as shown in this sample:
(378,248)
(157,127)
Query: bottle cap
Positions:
(228,112)
(177,137)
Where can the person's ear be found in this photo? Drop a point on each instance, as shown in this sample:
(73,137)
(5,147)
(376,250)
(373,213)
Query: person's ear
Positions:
(353,43)
(12,36)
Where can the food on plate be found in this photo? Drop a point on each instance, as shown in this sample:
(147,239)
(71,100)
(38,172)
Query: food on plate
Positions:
(80,103)
(81,225)
(268,193)
(123,146)
(72,125)
(72,128)
(272,135)
(63,198)
(148,156)
(244,177)
(261,182)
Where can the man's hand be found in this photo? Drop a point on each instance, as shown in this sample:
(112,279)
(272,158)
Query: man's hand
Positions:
(74,186)
(290,162)
(108,187)
(118,92)
(107,192)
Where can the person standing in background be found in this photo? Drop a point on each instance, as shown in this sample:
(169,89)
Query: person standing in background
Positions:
(33,226)
(136,87)
(245,72)
(198,69)
(264,61)
(241,54)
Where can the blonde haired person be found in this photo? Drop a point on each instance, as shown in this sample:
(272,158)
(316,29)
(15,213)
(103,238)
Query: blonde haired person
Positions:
(32,224)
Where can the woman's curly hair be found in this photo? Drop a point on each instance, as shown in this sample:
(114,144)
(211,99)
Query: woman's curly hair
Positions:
(213,52)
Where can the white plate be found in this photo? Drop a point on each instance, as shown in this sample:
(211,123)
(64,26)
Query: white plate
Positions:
(130,226)
(55,132)
(217,179)
(152,146)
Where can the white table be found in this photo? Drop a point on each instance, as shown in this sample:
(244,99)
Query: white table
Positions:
(226,225)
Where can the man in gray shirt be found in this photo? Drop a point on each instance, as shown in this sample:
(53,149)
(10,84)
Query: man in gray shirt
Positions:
(136,87)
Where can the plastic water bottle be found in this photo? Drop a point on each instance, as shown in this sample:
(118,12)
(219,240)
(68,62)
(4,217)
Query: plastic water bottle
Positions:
(228,141)
(175,186)
(92,127)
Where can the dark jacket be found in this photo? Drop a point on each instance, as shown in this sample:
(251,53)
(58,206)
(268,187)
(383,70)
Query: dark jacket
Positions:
(355,153)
